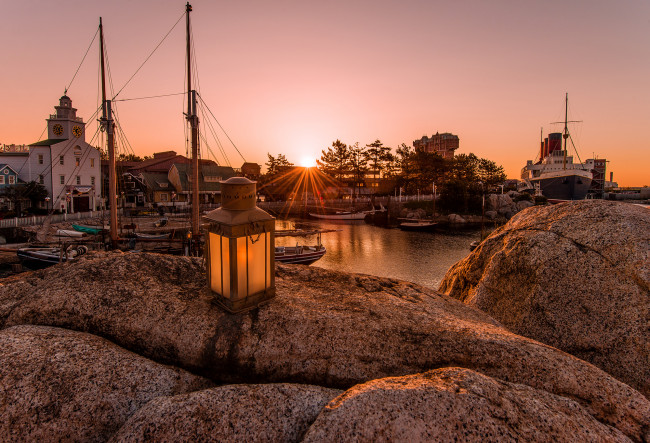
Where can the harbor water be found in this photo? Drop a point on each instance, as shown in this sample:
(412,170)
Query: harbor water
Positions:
(418,257)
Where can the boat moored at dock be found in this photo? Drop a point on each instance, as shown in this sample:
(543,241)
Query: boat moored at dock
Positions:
(304,255)
(555,175)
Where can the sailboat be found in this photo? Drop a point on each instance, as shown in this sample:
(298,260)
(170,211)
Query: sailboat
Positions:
(555,175)
(342,215)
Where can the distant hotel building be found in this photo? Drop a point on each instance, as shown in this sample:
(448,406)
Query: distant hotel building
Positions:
(442,144)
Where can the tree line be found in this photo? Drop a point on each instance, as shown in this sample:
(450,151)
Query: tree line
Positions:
(460,181)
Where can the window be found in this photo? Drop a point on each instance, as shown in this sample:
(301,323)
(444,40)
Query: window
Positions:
(77,161)
(60,159)
(40,159)
(92,162)
(78,180)
(2,179)
(12,179)
(41,180)
(62,177)
(164,197)
(92,181)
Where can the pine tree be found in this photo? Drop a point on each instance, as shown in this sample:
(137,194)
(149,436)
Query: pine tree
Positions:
(336,161)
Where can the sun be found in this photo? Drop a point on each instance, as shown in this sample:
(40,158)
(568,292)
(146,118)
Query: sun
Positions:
(307,162)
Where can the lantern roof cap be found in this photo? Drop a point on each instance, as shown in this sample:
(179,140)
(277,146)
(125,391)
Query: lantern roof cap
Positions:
(231,218)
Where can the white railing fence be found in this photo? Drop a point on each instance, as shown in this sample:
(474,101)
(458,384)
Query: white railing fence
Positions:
(55,218)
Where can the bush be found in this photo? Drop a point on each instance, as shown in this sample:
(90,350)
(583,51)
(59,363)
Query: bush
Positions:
(540,200)
(426,205)
(524,196)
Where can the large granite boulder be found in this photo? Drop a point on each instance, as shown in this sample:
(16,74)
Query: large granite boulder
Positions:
(324,328)
(454,404)
(575,276)
(61,385)
(271,412)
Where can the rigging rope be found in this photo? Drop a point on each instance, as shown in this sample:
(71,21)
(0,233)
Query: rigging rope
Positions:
(150,96)
(82,60)
(224,131)
(149,56)
(209,125)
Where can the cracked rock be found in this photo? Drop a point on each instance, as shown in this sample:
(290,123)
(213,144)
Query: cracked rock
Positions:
(575,276)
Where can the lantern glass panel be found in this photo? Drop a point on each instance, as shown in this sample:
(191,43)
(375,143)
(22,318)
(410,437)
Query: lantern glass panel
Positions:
(219,264)
(242,289)
(215,262)
(269,250)
(257,263)
(225,263)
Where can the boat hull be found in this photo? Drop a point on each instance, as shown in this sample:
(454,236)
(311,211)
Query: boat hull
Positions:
(88,229)
(345,216)
(568,187)
(39,258)
(69,233)
(299,255)
(415,226)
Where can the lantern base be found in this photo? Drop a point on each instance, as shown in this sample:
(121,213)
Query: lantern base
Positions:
(244,304)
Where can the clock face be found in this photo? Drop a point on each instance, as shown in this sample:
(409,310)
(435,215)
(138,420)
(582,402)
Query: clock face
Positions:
(76,130)
(57,129)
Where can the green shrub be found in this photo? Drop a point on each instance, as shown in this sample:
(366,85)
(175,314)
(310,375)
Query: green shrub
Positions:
(524,196)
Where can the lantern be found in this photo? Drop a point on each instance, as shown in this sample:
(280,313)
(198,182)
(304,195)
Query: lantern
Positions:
(240,248)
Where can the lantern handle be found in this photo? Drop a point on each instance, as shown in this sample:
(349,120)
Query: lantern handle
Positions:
(255,228)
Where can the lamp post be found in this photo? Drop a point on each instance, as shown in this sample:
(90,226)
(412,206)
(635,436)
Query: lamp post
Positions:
(240,248)
(47,203)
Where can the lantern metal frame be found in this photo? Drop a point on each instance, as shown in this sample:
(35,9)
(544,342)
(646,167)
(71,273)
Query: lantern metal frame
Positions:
(236,230)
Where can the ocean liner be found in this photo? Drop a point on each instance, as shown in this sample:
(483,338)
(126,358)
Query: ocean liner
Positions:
(555,175)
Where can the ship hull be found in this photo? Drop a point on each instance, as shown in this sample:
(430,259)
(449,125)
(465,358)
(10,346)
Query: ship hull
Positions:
(569,187)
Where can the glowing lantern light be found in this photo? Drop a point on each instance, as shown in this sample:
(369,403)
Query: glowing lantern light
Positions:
(240,248)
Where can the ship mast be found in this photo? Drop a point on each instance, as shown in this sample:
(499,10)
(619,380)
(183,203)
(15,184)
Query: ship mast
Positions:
(193,119)
(107,123)
(566,128)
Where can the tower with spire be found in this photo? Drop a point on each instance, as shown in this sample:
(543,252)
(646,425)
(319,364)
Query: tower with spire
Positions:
(64,124)
(68,167)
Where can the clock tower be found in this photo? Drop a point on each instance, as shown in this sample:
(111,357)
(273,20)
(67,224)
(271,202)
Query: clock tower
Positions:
(65,125)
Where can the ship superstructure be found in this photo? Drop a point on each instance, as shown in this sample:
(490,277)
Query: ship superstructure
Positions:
(555,175)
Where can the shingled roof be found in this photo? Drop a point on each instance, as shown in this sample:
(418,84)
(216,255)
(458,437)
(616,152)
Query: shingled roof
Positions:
(209,175)
(157,181)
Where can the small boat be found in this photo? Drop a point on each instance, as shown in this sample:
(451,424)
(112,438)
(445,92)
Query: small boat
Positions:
(69,233)
(473,245)
(304,255)
(342,215)
(418,225)
(142,235)
(89,229)
(38,258)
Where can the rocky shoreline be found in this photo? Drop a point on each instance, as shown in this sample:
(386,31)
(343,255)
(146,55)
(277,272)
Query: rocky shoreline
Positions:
(129,347)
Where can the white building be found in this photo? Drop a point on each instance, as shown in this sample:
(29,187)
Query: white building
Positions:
(68,167)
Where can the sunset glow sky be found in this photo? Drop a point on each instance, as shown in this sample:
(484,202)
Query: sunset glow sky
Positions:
(290,77)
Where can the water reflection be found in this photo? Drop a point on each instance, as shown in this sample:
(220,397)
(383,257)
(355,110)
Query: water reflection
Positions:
(419,257)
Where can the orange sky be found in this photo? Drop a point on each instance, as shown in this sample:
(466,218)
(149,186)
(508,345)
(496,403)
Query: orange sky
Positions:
(292,76)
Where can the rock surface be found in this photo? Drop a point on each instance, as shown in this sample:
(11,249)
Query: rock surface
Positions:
(271,412)
(455,218)
(61,385)
(324,328)
(454,404)
(575,276)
